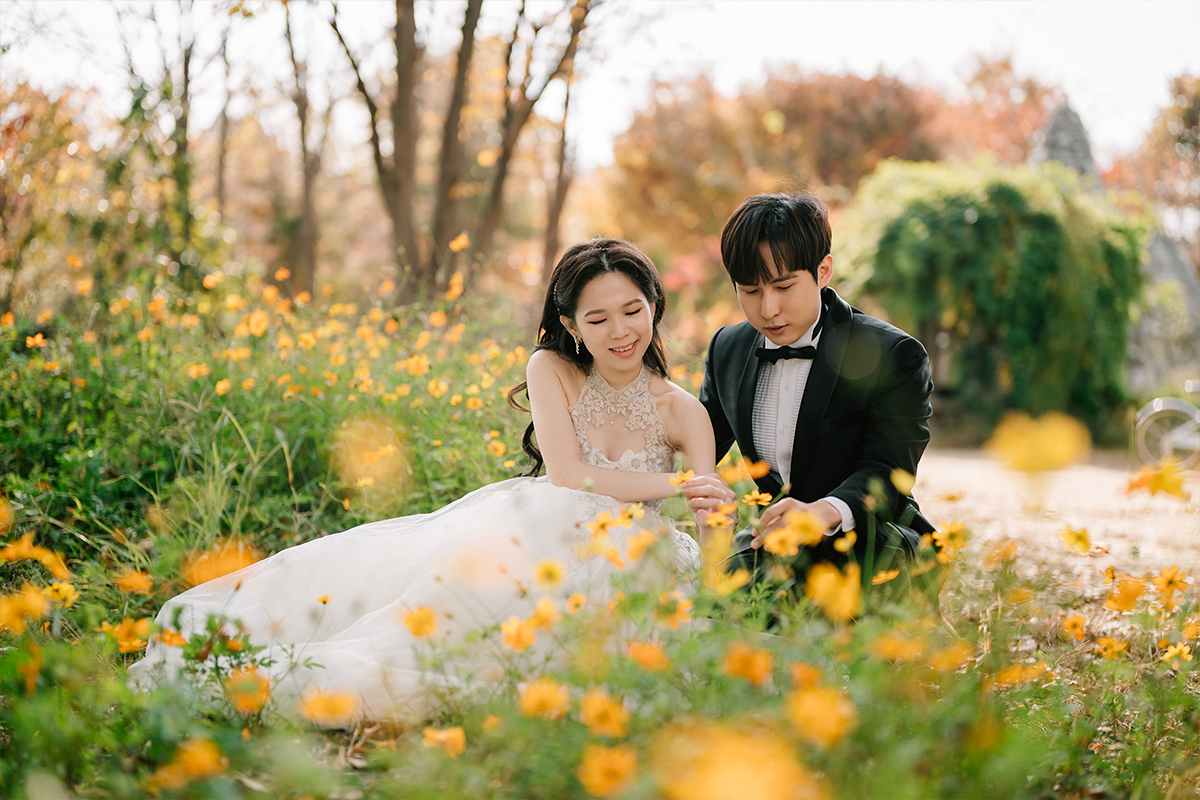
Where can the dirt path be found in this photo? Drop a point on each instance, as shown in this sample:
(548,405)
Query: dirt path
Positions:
(1141,532)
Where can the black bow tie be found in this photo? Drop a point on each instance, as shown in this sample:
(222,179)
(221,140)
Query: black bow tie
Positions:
(774,354)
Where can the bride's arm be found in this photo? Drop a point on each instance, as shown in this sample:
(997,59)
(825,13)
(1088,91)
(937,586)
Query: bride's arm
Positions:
(690,430)
(560,448)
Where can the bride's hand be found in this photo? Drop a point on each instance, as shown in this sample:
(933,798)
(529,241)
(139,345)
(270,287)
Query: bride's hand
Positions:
(706,494)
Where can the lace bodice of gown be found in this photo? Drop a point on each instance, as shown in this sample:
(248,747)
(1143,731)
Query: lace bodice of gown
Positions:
(599,405)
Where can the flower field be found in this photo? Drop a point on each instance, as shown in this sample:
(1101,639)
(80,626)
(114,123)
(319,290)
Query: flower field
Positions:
(158,441)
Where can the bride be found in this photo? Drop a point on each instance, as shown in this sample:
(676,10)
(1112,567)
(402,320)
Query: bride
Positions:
(332,613)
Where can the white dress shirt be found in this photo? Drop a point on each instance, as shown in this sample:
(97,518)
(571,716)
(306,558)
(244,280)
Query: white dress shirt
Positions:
(776,408)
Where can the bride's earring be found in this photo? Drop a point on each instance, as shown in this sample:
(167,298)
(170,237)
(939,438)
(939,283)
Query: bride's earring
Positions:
(576,338)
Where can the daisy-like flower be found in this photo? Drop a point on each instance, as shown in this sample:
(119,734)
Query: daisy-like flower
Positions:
(1074,626)
(451,741)
(1176,654)
(1111,648)
(549,573)
(672,609)
(543,698)
(1076,539)
(422,622)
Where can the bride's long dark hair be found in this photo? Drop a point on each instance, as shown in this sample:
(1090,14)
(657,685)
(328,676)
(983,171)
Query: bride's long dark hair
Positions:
(579,266)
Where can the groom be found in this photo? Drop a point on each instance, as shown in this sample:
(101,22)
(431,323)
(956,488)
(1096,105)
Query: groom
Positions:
(833,400)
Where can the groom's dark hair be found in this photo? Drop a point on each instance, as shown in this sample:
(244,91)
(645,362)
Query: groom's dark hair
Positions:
(795,225)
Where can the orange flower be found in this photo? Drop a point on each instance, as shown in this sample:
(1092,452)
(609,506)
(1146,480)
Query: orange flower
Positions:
(638,543)
(744,661)
(195,759)
(804,675)
(25,550)
(672,609)
(460,243)
(681,477)
(893,646)
(1176,654)
(1076,539)
(543,698)
(650,656)
(8,320)
(220,560)
(437,319)
(1110,648)
(951,538)
(84,286)
(607,771)
(452,741)
(1074,626)
(282,274)
(757,498)
(197,370)
(172,638)
(951,658)
(1126,593)
(519,634)
(885,576)
(545,616)
(129,634)
(329,710)
(456,285)
(1166,478)
(248,690)
(258,323)
(37,340)
(575,602)
(838,594)
(1168,582)
(224,386)
(603,715)
(422,622)
(29,603)
(820,715)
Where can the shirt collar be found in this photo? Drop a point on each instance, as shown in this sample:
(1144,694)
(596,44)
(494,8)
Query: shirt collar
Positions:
(810,337)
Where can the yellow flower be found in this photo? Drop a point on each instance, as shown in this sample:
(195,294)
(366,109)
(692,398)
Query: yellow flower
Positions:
(258,322)
(903,481)
(999,554)
(422,622)
(1126,593)
(452,741)
(437,319)
(720,517)
(575,602)
(697,759)
(951,658)
(838,594)
(893,646)
(1050,442)
(1111,648)
(549,573)
(460,243)
(1168,582)
(224,386)
(134,581)
(600,525)
(25,550)
(628,513)
(438,387)
(519,634)
(638,543)
(543,698)
(490,723)
(62,594)
(884,576)
(1076,539)
(1074,626)
(545,616)
(248,690)
(681,477)
(474,403)
(197,370)
(282,274)
(672,609)
(329,710)
(607,771)
(743,471)
(218,561)
(84,286)
(195,759)
(130,634)
(8,320)
(650,656)
(497,448)
(613,604)
(1165,478)
(721,582)
(757,498)
(29,603)
(750,663)
(171,638)
(602,715)
(324,599)
(1176,654)
(248,383)
(844,543)
(820,714)
(1016,675)
(951,538)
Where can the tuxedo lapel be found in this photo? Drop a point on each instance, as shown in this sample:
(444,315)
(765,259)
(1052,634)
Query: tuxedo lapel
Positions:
(822,380)
(747,386)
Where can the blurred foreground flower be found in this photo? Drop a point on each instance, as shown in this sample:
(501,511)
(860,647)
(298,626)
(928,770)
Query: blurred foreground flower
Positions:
(543,698)
(134,581)
(248,690)
(750,663)
(672,609)
(836,593)
(603,715)
(368,452)
(195,759)
(1110,648)
(329,710)
(130,634)
(451,741)
(697,759)
(218,561)
(650,656)
(1050,442)
(607,771)
(821,714)
(422,622)
(1165,478)
(25,550)
(16,609)
(1076,540)
(1126,593)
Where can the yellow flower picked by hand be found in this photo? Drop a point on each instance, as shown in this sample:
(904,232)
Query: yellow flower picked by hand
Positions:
(757,498)
(451,741)
(681,477)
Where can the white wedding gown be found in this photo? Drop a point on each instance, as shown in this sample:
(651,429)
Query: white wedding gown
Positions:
(464,561)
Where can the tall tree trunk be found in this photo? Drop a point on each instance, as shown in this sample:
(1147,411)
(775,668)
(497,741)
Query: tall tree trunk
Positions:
(181,164)
(223,128)
(450,168)
(405,129)
(303,246)
(558,198)
(517,112)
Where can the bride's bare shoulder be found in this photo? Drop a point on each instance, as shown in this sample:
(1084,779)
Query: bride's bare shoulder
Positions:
(546,368)
(676,405)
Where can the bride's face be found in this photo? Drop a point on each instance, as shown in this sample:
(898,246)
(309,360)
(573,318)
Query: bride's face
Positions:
(614,320)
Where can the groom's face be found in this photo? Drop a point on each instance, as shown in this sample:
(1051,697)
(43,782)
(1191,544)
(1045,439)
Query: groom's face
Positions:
(784,308)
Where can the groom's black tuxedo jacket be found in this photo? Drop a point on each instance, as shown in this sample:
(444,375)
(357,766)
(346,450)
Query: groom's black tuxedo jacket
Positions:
(865,409)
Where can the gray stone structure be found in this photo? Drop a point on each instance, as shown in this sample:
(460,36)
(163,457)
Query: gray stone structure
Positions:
(1164,345)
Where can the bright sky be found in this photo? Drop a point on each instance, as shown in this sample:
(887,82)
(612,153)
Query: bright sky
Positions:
(1113,58)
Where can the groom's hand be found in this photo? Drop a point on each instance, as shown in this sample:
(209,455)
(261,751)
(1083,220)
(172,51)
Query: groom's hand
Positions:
(774,516)
(707,493)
